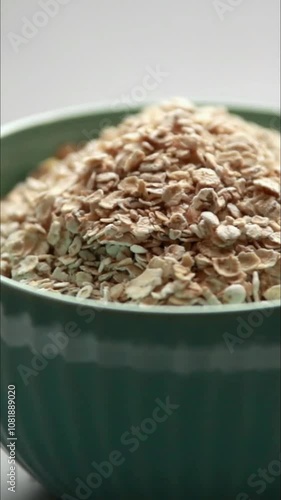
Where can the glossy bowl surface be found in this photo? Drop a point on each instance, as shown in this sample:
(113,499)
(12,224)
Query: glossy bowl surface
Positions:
(118,402)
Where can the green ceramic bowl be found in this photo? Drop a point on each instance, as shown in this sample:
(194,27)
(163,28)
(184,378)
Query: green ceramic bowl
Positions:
(123,402)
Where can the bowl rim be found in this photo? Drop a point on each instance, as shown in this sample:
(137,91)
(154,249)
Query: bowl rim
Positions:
(74,112)
(80,110)
(101,305)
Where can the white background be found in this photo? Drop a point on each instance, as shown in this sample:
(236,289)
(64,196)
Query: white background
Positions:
(98,50)
(95,51)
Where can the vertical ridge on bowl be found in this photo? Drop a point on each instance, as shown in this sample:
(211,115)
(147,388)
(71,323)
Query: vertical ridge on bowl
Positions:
(28,430)
(44,419)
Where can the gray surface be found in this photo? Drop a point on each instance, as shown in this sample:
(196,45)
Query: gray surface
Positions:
(26,487)
(93,51)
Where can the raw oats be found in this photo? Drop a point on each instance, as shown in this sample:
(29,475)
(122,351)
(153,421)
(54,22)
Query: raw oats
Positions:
(85,292)
(82,278)
(142,286)
(249,261)
(256,286)
(234,294)
(228,234)
(25,266)
(178,205)
(269,186)
(273,293)
(227,267)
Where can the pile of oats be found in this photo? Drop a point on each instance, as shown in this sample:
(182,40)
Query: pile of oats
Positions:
(177,205)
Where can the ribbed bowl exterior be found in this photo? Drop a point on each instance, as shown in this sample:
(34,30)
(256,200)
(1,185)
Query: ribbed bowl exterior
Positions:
(116,404)
(89,382)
